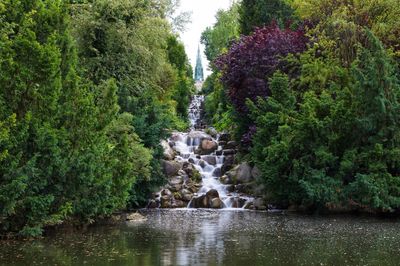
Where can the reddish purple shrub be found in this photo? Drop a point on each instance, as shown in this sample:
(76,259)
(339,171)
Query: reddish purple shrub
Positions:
(253,59)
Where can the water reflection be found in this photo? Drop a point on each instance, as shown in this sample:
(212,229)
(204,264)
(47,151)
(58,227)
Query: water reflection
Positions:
(205,237)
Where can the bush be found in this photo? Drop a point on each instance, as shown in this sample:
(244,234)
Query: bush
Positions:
(335,145)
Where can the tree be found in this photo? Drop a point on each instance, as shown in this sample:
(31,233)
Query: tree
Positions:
(251,61)
(333,145)
(226,30)
(259,13)
(68,153)
(347,19)
(132,41)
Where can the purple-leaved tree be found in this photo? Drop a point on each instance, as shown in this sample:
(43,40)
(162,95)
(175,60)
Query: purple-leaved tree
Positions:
(252,60)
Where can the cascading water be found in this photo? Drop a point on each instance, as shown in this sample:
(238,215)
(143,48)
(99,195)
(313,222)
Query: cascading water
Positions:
(195,111)
(209,166)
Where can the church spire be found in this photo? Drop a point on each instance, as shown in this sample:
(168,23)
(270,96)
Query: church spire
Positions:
(198,74)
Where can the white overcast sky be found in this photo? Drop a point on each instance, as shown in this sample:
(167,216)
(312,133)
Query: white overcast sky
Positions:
(203,15)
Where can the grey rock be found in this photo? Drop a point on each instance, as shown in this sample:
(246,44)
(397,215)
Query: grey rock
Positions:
(171,168)
(217,172)
(202,163)
(187,195)
(237,202)
(169,153)
(241,173)
(216,203)
(210,159)
(213,193)
(207,146)
(166,202)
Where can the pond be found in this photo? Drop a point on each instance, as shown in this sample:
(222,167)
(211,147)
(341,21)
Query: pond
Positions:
(218,237)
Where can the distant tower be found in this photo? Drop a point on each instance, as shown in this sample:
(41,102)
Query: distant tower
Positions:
(198,74)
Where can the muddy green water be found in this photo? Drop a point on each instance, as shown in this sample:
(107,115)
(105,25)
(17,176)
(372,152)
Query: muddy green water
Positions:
(205,237)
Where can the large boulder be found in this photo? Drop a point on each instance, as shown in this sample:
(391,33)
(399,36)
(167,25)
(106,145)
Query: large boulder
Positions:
(169,153)
(171,168)
(241,173)
(209,200)
(207,146)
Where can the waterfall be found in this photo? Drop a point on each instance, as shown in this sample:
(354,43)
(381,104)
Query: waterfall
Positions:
(209,166)
(195,111)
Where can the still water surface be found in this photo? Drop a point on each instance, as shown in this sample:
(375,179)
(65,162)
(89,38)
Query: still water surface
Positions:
(227,237)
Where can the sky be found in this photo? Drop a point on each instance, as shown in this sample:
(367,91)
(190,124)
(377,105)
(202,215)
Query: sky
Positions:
(203,15)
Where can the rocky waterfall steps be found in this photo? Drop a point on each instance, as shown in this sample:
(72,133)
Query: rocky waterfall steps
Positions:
(202,171)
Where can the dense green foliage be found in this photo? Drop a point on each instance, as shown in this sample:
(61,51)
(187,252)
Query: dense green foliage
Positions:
(216,41)
(83,108)
(326,136)
(263,12)
(222,34)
